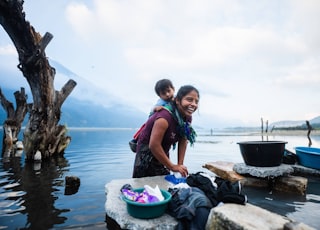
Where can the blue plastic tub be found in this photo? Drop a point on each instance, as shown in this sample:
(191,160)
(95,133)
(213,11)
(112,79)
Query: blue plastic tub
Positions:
(308,157)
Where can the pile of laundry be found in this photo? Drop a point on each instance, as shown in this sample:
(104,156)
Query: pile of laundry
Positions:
(148,194)
(193,198)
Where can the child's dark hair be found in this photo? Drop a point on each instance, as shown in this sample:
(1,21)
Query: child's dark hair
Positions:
(162,85)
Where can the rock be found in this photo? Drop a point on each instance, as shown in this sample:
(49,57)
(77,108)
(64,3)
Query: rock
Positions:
(72,185)
(279,181)
(116,208)
(224,170)
(19,145)
(291,184)
(301,170)
(296,226)
(226,216)
(256,182)
(263,172)
(37,156)
(249,217)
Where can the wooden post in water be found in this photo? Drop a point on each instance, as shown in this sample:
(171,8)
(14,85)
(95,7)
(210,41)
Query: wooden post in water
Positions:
(262,128)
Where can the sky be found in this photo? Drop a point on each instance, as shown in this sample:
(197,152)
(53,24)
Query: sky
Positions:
(249,59)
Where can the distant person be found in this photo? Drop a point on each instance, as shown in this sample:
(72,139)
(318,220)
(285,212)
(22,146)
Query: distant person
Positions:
(309,127)
(165,128)
(165,90)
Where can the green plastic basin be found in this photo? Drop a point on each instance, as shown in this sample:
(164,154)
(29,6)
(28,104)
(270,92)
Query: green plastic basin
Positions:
(148,210)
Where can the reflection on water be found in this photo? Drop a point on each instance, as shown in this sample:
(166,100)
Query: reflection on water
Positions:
(33,196)
(29,190)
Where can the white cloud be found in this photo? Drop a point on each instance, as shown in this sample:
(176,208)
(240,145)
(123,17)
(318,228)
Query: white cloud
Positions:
(249,59)
(8,50)
(82,20)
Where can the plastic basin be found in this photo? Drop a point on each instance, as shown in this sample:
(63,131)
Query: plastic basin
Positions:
(308,157)
(262,153)
(148,210)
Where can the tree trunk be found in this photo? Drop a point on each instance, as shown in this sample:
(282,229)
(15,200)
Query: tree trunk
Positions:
(12,125)
(42,133)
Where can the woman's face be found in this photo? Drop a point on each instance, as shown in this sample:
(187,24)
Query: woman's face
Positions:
(188,104)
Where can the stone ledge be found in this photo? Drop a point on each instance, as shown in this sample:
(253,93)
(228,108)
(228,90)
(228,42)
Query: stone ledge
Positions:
(227,216)
(285,183)
(116,208)
(247,217)
(301,170)
(263,172)
(224,169)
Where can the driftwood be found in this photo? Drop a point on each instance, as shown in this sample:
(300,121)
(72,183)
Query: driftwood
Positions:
(42,132)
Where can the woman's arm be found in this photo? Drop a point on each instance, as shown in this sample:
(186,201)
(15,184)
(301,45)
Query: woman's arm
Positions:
(182,147)
(157,134)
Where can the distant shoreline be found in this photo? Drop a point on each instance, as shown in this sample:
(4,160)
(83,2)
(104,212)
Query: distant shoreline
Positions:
(244,132)
(292,133)
(257,133)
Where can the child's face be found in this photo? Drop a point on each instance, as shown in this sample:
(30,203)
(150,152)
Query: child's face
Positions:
(167,94)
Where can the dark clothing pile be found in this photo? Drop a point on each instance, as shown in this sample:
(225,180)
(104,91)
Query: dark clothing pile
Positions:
(191,206)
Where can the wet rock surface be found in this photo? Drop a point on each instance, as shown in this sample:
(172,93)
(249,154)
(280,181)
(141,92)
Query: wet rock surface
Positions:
(263,172)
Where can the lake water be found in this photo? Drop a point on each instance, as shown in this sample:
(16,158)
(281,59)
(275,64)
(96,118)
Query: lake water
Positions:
(32,196)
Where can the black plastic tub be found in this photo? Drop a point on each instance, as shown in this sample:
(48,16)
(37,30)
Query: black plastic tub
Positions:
(262,153)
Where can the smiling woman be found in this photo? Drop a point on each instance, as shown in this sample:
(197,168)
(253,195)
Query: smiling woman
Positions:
(164,129)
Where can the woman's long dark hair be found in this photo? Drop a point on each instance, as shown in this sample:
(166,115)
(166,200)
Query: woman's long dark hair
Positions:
(184,124)
(184,90)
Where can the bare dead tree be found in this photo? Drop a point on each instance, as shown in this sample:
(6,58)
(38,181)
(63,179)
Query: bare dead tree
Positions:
(42,133)
(15,117)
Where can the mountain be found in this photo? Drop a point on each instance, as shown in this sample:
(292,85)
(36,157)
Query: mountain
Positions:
(90,106)
(86,106)
(282,124)
(315,120)
(286,124)
(76,113)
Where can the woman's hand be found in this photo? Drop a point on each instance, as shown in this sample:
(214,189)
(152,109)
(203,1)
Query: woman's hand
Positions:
(183,170)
